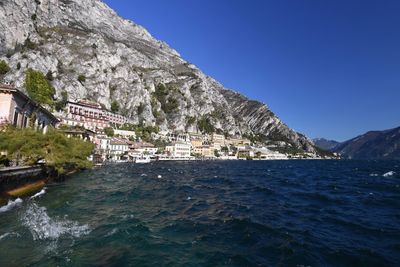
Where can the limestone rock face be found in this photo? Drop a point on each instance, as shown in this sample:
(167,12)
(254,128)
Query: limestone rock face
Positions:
(122,62)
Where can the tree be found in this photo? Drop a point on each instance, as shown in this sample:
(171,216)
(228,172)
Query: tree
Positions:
(170,106)
(205,126)
(109,131)
(38,87)
(29,44)
(49,75)
(59,152)
(224,149)
(190,120)
(114,106)
(60,105)
(4,68)
(140,108)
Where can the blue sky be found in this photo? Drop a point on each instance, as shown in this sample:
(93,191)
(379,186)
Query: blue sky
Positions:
(326,68)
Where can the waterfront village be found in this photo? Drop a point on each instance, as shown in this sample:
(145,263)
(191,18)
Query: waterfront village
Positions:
(117,139)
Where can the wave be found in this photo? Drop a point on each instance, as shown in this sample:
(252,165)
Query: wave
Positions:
(8,234)
(390,173)
(43,227)
(42,192)
(4,236)
(10,205)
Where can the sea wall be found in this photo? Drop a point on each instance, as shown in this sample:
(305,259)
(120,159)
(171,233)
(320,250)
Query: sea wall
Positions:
(13,177)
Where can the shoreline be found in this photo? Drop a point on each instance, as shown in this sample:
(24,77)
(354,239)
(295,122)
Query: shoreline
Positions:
(26,186)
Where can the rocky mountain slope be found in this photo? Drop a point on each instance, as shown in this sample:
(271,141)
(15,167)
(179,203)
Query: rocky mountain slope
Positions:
(325,143)
(120,61)
(372,145)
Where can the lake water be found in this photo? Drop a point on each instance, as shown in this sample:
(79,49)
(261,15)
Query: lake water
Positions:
(218,213)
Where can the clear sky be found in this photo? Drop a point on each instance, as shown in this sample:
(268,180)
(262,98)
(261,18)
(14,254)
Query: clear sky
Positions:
(326,68)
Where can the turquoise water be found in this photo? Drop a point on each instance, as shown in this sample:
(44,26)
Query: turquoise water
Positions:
(232,213)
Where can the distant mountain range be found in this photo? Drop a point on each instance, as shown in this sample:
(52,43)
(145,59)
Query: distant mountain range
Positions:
(325,143)
(371,145)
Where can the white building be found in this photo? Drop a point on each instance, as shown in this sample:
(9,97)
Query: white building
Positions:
(179,150)
(267,154)
(143,148)
(117,148)
(125,133)
(178,137)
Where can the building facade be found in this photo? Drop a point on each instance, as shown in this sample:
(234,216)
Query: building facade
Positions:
(143,148)
(18,109)
(205,151)
(125,133)
(117,148)
(178,150)
(218,140)
(91,116)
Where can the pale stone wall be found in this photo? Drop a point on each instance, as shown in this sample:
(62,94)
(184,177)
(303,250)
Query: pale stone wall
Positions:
(5,108)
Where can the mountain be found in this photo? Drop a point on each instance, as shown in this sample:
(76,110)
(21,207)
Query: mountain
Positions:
(325,143)
(372,145)
(117,60)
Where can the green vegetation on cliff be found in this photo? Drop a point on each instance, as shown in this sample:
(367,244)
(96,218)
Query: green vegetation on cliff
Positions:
(114,107)
(39,88)
(4,68)
(205,125)
(143,132)
(109,131)
(56,150)
(165,95)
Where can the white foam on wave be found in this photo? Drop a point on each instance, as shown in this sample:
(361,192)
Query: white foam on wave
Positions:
(4,236)
(8,234)
(10,205)
(390,173)
(373,174)
(42,192)
(43,227)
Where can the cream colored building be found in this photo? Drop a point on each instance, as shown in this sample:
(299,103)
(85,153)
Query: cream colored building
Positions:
(204,150)
(218,140)
(178,150)
(236,141)
(125,133)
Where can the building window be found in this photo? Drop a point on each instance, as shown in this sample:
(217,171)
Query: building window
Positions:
(15,122)
(25,123)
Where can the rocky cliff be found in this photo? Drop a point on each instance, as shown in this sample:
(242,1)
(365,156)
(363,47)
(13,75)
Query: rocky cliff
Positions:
(122,62)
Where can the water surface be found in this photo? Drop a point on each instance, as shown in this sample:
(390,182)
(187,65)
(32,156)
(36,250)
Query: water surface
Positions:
(229,213)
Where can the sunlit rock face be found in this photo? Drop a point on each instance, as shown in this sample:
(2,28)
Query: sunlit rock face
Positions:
(122,62)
